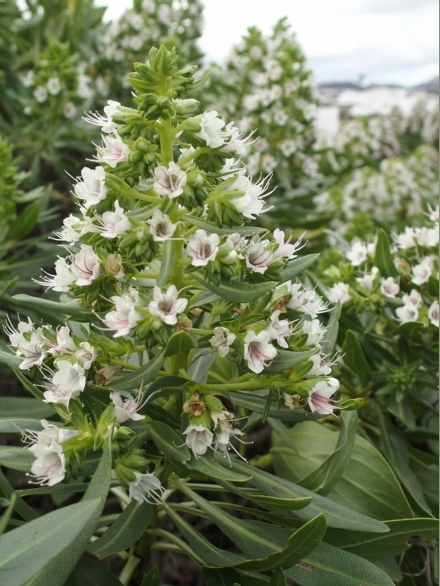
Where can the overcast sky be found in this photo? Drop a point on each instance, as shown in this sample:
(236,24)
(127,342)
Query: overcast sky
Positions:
(387,41)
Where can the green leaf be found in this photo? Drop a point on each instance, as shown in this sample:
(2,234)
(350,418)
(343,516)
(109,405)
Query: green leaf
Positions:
(89,572)
(383,258)
(210,227)
(144,375)
(100,483)
(368,484)
(16,425)
(199,369)
(124,532)
(25,407)
(169,442)
(236,290)
(336,515)
(286,359)
(354,357)
(223,577)
(25,223)
(413,330)
(152,578)
(297,266)
(324,478)
(165,386)
(16,458)
(278,579)
(328,342)
(301,544)
(379,546)
(258,404)
(72,488)
(33,389)
(50,546)
(207,465)
(336,567)
(10,359)
(179,343)
(23,509)
(41,303)
(166,263)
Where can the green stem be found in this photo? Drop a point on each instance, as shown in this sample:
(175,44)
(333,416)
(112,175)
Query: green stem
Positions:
(129,569)
(166,141)
(241,386)
(191,156)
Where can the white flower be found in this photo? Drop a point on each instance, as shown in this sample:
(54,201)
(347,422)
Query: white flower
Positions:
(305,300)
(408,312)
(389,287)
(198,439)
(169,181)
(315,331)
(161,227)
(92,188)
(85,266)
(124,317)
(279,330)
(258,258)
(62,279)
(49,467)
(258,351)
(319,366)
(268,162)
(67,383)
(211,129)
(126,409)
(367,281)
(234,140)
(202,248)
(422,271)
(115,223)
(285,248)
(428,237)
(29,343)
(223,441)
(414,297)
(222,339)
(53,86)
(113,152)
(357,254)
(72,229)
(50,434)
(40,94)
(144,485)
(167,305)
(319,398)
(105,122)
(64,343)
(251,203)
(86,355)
(433,214)
(406,239)
(339,292)
(69,110)
(433,314)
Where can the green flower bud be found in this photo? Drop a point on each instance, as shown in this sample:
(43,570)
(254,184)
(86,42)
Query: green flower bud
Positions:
(191,125)
(195,179)
(212,402)
(186,106)
(300,371)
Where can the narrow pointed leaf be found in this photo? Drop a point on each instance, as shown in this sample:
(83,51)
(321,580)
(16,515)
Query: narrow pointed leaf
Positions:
(383,258)
(354,358)
(166,263)
(278,579)
(297,266)
(41,303)
(207,465)
(286,359)
(169,442)
(238,291)
(178,343)
(89,572)
(258,404)
(142,376)
(152,578)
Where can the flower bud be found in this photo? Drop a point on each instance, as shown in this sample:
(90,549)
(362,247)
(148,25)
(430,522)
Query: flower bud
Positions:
(212,402)
(195,179)
(191,125)
(300,371)
(142,145)
(186,106)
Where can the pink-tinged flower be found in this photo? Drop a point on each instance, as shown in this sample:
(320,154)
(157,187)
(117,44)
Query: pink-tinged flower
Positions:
(433,314)
(422,271)
(113,152)
(279,330)
(405,240)
(92,188)
(167,305)
(125,316)
(315,331)
(86,355)
(115,223)
(237,242)
(29,343)
(414,297)
(72,229)
(85,266)
(258,351)
(127,408)
(319,366)
(211,129)
(161,227)
(389,287)
(105,122)
(304,300)
(67,383)
(49,467)
(222,339)
(235,141)
(169,181)
(62,279)
(202,248)
(144,486)
(64,343)
(339,292)
(50,434)
(258,258)
(223,441)
(198,439)
(367,281)
(408,312)
(285,249)
(357,254)
(319,398)
(251,203)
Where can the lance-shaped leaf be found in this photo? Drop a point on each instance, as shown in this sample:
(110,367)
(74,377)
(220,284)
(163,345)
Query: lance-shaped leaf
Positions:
(297,266)
(207,465)
(23,509)
(354,358)
(210,227)
(336,514)
(152,578)
(286,359)
(71,488)
(325,477)
(16,458)
(166,263)
(258,405)
(142,376)
(10,359)
(124,532)
(329,340)
(383,259)
(178,343)
(25,223)
(89,572)
(67,309)
(25,407)
(278,579)
(169,442)
(19,425)
(165,386)
(236,290)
